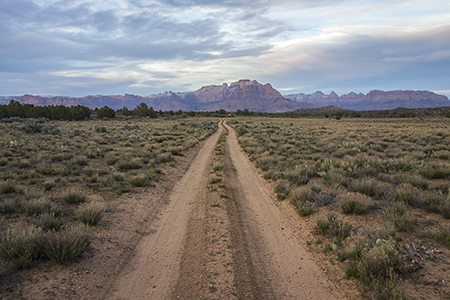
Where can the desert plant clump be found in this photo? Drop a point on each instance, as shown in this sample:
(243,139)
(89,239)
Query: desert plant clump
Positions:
(21,246)
(91,213)
(65,245)
(305,211)
(443,237)
(353,207)
(36,207)
(379,267)
(74,198)
(138,181)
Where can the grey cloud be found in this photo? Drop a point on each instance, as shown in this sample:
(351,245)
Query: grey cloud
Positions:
(359,63)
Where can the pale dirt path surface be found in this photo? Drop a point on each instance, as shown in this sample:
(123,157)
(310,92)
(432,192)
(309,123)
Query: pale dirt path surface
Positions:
(248,247)
(273,239)
(152,272)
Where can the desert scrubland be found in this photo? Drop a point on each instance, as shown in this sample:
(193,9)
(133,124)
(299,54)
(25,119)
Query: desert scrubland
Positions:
(373,193)
(312,207)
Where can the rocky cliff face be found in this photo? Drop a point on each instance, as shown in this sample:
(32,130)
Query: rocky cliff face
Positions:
(375,100)
(239,95)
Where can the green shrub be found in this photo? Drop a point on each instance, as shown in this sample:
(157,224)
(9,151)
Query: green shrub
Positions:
(367,187)
(444,209)
(395,210)
(241,130)
(112,161)
(138,181)
(432,204)
(215,180)
(47,170)
(281,197)
(443,237)
(7,207)
(48,186)
(117,177)
(378,268)
(122,190)
(338,227)
(353,207)
(74,199)
(435,173)
(218,168)
(175,150)
(91,213)
(282,187)
(88,172)
(21,247)
(408,194)
(305,211)
(100,129)
(129,166)
(322,227)
(65,245)
(48,222)
(404,224)
(38,207)
(7,189)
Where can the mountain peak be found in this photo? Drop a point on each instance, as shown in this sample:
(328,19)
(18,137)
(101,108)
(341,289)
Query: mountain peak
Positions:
(244,82)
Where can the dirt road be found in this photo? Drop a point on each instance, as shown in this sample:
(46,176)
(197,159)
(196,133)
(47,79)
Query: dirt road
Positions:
(222,236)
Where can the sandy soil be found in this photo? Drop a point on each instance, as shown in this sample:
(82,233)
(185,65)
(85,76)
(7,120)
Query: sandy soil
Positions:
(240,243)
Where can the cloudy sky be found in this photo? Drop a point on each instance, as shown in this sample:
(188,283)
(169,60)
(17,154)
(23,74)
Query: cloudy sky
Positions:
(88,47)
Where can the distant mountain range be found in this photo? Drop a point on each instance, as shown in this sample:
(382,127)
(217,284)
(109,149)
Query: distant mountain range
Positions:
(246,94)
(374,100)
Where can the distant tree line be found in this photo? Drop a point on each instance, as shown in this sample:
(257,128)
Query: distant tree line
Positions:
(60,112)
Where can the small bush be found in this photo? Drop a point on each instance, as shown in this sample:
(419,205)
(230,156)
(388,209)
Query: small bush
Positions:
(367,187)
(74,199)
(7,189)
(380,263)
(21,247)
(215,180)
(48,186)
(443,237)
(88,172)
(48,222)
(7,207)
(175,150)
(444,209)
(65,245)
(305,211)
(432,204)
(117,177)
(282,187)
(322,227)
(218,168)
(129,166)
(100,129)
(47,170)
(138,181)
(435,173)
(91,213)
(338,227)
(404,224)
(38,207)
(408,194)
(241,130)
(353,207)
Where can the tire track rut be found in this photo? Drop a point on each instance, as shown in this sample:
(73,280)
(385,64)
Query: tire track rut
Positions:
(214,241)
